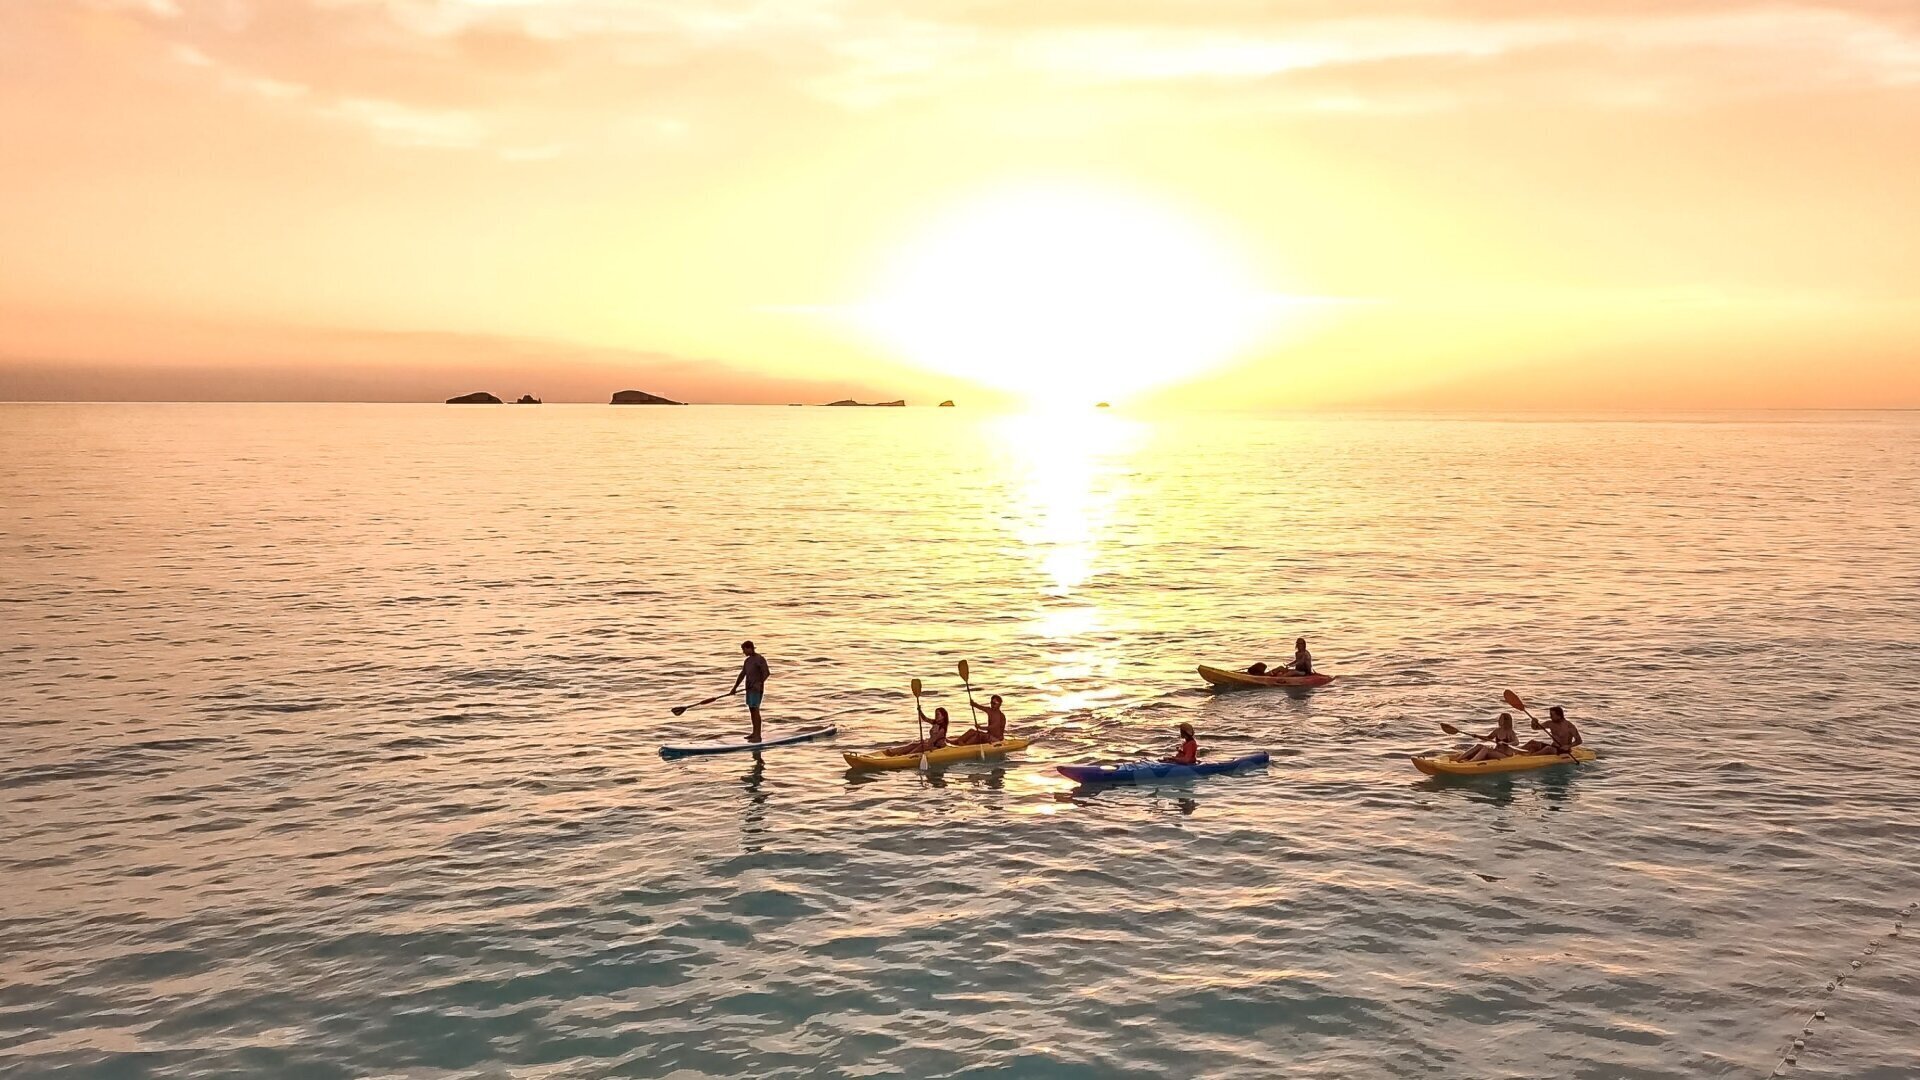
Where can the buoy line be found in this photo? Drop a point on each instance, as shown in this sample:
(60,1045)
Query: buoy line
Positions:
(1799,1042)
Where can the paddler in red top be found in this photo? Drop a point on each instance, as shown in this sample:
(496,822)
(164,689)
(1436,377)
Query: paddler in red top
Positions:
(1189,753)
(936,733)
(996,730)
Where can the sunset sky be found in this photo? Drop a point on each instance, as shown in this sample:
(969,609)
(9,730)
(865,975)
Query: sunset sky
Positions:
(1404,203)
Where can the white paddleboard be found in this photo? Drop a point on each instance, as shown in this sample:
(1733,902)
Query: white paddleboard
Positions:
(734,745)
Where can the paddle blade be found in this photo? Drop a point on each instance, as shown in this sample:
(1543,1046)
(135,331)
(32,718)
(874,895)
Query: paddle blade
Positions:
(678,709)
(963,671)
(1513,699)
(916,688)
(1449,729)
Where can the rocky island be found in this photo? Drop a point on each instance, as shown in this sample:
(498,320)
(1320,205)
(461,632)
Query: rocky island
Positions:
(641,397)
(868,404)
(527,399)
(478,397)
(946,405)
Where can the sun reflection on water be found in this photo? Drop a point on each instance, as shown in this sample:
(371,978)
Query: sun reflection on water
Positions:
(1071,470)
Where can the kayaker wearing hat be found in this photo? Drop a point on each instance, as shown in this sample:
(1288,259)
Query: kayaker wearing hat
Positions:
(1189,752)
(1500,742)
(936,733)
(1559,729)
(996,725)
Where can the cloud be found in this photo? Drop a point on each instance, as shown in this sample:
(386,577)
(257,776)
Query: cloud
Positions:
(501,74)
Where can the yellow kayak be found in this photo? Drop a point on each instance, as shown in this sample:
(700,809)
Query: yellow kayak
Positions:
(1451,765)
(1222,677)
(946,755)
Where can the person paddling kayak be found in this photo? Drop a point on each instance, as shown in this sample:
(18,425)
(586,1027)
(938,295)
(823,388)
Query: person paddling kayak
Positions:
(1302,662)
(1302,659)
(1500,742)
(936,733)
(1189,752)
(996,725)
(753,672)
(1560,731)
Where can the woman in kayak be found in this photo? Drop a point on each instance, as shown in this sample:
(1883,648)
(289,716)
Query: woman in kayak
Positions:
(1560,731)
(936,733)
(1500,742)
(1302,659)
(1302,663)
(996,725)
(1189,752)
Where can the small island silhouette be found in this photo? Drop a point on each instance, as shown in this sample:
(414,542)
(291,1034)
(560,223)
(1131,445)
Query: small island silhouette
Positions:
(641,397)
(868,404)
(478,397)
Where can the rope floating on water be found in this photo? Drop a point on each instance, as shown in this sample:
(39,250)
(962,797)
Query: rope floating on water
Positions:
(1799,1042)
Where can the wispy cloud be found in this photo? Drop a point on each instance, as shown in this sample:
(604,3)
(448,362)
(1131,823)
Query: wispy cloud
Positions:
(497,73)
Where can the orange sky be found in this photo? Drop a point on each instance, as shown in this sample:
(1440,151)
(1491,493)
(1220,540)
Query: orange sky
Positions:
(1454,203)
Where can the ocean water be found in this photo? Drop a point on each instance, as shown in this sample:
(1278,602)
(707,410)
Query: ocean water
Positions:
(330,743)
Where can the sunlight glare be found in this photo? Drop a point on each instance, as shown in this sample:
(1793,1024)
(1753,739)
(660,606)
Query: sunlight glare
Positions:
(1068,295)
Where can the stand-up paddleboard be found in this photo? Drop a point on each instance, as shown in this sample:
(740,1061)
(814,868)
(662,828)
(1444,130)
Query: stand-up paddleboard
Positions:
(728,746)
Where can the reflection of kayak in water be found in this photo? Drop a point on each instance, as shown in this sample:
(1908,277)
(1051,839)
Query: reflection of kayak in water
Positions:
(728,746)
(1451,765)
(1222,677)
(1141,771)
(946,755)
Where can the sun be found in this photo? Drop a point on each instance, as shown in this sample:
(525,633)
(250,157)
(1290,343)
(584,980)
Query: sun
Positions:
(1067,295)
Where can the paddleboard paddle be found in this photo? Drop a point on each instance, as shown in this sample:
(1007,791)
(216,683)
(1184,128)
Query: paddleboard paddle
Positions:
(678,709)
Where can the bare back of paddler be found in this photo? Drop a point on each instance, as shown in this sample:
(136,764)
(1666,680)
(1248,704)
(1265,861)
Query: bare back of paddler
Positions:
(996,730)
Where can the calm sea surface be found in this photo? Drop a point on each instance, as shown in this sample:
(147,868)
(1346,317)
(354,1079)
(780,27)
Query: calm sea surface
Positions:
(330,743)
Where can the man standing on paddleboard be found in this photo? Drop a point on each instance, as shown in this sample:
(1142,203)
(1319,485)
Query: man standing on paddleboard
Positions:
(754,673)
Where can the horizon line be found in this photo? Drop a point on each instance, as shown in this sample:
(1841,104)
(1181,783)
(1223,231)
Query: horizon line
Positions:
(1377,408)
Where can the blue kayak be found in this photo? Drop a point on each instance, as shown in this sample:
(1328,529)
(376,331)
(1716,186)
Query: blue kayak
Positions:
(1137,772)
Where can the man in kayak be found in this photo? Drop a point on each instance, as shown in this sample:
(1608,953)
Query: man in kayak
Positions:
(1500,742)
(996,725)
(1560,730)
(754,673)
(936,733)
(1189,752)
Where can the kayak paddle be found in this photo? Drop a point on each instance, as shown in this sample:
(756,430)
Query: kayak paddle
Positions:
(971,707)
(1513,699)
(917,726)
(678,709)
